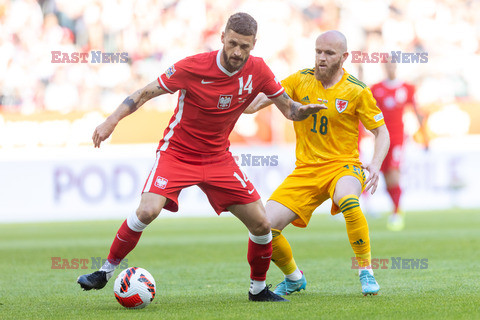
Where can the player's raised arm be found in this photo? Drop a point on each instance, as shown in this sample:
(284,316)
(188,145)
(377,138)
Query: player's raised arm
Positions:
(127,107)
(382,143)
(295,110)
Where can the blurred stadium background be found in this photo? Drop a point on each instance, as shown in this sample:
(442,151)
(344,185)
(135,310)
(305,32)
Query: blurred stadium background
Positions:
(49,169)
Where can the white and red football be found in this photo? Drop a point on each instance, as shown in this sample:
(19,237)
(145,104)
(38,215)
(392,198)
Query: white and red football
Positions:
(134,288)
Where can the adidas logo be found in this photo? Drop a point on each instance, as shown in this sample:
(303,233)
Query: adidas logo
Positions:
(306,99)
(359,242)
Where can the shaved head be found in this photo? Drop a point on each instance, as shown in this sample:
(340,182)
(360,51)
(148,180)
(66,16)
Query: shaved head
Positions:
(334,38)
(330,54)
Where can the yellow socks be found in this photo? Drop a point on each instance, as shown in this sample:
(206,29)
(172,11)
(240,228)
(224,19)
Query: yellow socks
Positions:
(357,229)
(282,253)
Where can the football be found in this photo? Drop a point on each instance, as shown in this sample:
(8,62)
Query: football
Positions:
(134,288)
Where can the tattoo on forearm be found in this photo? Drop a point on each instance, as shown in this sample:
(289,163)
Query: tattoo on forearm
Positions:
(294,109)
(296,113)
(132,106)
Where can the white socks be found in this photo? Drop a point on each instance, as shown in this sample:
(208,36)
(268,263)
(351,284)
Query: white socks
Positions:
(369,270)
(295,275)
(261,239)
(134,223)
(108,268)
(257,286)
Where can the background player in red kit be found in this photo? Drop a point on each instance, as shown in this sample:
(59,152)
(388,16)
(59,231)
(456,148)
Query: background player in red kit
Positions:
(392,96)
(215,88)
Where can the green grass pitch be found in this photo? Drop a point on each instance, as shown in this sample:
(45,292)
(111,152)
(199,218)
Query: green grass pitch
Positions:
(201,270)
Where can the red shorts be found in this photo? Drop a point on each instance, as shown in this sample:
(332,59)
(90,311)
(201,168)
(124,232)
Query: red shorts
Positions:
(393,158)
(222,181)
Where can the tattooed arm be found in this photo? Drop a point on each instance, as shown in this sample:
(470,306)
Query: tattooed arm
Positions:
(127,107)
(291,110)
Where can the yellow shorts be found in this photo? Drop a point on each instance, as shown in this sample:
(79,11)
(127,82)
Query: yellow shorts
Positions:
(307,187)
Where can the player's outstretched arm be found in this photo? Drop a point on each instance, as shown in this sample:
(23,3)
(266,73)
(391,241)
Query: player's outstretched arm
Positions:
(261,101)
(295,110)
(382,144)
(127,107)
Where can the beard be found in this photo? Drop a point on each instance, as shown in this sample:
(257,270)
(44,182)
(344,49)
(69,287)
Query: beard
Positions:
(231,67)
(326,75)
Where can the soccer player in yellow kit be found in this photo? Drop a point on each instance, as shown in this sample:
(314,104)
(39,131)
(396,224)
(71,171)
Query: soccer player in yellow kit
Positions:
(328,164)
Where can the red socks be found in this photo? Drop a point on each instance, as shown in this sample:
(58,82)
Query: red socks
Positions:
(125,240)
(259,256)
(395,193)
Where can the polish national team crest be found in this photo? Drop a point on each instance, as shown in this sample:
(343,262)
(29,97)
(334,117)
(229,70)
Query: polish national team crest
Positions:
(224,101)
(161,182)
(341,105)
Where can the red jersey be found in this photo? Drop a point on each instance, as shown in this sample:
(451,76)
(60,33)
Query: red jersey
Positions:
(392,97)
(210,101)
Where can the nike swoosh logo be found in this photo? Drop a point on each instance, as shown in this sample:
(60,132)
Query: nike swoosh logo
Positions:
(206,82)
(121,239)
(269,257)
(251,191)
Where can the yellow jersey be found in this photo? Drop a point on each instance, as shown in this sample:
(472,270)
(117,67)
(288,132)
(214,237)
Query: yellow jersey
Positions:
(331,135)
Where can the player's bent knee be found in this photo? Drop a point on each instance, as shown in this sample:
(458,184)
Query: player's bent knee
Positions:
(147,214)
(150,206)
(261,228)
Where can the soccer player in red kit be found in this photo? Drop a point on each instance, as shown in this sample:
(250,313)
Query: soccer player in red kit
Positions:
(214,89)
(393,96)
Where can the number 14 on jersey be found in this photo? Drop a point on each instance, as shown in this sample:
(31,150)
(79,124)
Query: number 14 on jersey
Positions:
(248,85)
